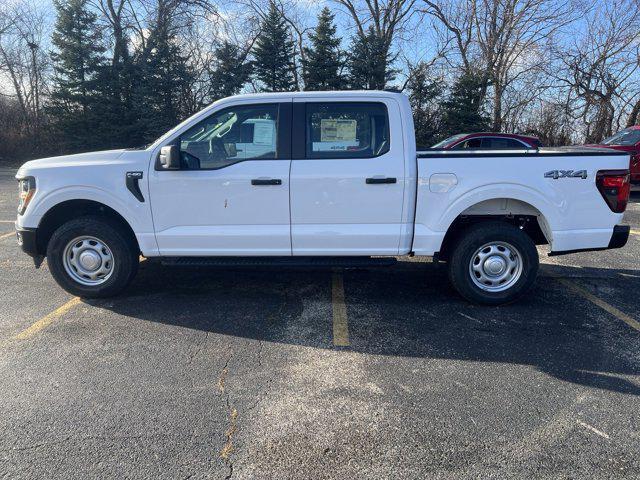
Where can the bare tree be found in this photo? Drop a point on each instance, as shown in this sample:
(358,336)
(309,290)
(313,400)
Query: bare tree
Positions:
(24,62)
(600,68)
(387,18)
(502,40)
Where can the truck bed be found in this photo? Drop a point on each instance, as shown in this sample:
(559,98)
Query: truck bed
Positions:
(554,185)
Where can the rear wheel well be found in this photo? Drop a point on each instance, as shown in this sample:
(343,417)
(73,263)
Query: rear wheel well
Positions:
(528,223)
(65,211)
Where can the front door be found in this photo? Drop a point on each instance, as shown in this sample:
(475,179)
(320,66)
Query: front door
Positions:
(231,194)
(347,178)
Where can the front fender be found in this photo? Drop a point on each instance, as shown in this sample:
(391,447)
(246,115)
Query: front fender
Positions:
(136,214)
(41,204)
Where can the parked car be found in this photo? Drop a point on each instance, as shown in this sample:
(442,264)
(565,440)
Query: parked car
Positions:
(488,141)
(627,140)
(316,178)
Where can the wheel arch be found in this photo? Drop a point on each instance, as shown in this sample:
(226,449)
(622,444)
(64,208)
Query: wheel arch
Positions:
(513,211)
(67,210)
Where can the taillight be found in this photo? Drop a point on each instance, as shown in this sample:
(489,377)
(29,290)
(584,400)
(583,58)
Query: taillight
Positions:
(614,185)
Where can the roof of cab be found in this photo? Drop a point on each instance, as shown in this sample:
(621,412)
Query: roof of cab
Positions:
(322,93)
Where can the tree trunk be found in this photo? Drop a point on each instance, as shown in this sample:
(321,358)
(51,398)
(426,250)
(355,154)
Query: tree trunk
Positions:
(497,107)
(635,113)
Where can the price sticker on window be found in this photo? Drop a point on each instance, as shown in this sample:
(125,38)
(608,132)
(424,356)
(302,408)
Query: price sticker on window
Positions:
(337,130)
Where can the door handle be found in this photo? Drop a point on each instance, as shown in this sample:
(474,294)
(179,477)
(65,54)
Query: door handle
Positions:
(266,181)
(379,180)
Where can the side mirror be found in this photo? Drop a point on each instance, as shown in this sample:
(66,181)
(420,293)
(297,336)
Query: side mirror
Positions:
(170,157)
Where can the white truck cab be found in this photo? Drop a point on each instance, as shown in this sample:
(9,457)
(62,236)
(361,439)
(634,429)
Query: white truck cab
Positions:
(317,174)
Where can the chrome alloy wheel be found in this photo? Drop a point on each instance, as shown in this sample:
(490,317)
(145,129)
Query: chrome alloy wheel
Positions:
(495,266)
(88,260)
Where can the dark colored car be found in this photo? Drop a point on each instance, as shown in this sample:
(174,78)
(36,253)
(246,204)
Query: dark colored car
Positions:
(488,141)
(627,140)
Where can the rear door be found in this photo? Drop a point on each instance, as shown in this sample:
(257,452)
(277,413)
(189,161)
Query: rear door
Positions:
(347,177)
(231,195)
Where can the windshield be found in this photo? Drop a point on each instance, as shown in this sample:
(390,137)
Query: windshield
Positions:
(625,137)
(449,141)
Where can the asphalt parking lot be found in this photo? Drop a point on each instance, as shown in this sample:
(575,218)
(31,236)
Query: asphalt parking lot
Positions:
(357,373)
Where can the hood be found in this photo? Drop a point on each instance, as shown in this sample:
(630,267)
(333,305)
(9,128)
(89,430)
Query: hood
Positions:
(77,160)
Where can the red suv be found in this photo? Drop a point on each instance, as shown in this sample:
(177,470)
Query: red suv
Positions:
(627,140)
(488,141)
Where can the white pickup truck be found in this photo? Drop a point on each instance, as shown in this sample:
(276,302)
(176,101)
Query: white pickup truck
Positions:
(317,177)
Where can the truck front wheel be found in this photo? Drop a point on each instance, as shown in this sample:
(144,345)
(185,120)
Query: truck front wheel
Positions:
(92,257)
(493,263)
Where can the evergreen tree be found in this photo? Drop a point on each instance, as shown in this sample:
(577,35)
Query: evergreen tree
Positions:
(163,80)
(78,58)
(274,53)
(119,126)
(463,109)
(425,95)
(231,72)
(370,62)
(321,67)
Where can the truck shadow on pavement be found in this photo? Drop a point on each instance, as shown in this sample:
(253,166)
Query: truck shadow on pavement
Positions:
(407,310)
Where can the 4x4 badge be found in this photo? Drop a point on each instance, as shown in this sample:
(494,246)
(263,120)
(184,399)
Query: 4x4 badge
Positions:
(556,174)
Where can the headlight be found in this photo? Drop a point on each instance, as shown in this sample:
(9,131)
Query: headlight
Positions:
(26,190)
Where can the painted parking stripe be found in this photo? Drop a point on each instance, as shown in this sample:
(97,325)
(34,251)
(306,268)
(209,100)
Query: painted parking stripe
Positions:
(635,232)
(7,221)
(47,319)
(340,322)
(7,235)
(593,429)
(620,315)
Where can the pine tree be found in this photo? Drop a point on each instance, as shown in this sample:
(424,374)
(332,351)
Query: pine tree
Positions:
(119,126)
(231,72)
(75,99)
(274,53)
(463,109)
(370,62)
(321,67)
(163,81)
(425,95)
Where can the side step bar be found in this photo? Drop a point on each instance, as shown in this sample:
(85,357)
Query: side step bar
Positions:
(322,262)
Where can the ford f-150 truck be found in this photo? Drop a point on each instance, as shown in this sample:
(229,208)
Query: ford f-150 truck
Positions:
(317,176)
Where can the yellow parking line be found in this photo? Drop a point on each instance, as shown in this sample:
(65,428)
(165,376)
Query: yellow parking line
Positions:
(340,322)
(7,221)
(47,319)
(633,323)
(635,232)
(7,235)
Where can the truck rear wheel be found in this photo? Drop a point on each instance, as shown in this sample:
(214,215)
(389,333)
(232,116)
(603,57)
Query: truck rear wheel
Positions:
(493,263)
(92,257)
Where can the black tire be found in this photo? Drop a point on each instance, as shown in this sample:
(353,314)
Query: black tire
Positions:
(465,249)
(123,250)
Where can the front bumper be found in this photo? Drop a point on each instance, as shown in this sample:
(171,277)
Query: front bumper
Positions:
(619,238)
(27,240)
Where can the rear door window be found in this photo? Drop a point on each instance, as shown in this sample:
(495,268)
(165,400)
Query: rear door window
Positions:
(346,130)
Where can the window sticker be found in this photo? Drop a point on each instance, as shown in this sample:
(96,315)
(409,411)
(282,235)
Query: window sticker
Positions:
(337,135)
(263,132)
(337,130)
